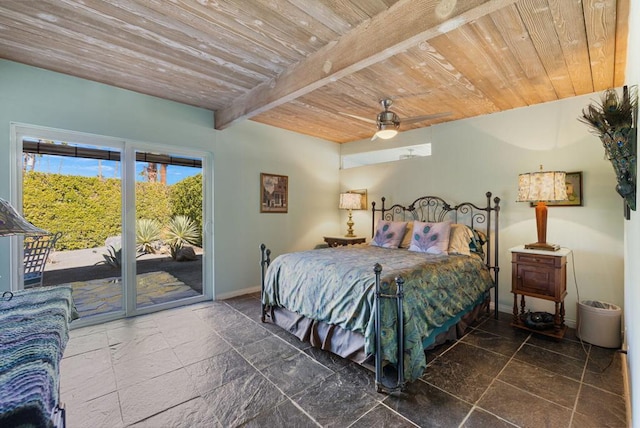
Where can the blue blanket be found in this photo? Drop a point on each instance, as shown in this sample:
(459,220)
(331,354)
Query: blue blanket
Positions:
(34,330)
(336,285)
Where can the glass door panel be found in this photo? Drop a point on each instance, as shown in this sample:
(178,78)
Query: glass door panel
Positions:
(74,190)
(168,228)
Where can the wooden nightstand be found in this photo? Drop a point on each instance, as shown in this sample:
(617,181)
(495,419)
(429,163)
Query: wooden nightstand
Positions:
(543,275)
(336,241)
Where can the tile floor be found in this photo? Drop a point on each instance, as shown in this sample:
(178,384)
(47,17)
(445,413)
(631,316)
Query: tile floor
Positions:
(215,365)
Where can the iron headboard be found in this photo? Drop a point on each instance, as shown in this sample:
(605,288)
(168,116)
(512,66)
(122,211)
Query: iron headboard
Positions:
(436,209)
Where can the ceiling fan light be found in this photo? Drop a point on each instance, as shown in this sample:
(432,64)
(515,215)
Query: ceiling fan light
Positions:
(386,134)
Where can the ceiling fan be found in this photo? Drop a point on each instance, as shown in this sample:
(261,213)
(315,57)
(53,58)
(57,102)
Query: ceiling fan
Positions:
(388,122)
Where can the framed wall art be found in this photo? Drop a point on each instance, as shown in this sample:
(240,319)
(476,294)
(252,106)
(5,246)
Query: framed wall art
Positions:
(274,193)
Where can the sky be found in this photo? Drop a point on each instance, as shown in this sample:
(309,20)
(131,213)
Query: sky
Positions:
(110,169)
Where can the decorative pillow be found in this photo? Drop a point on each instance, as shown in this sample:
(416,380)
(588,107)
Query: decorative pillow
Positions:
(477,242)
(460,239)
(432,238)
(389,234)
(406,241)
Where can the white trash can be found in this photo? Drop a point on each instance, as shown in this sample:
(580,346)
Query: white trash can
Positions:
(599,323)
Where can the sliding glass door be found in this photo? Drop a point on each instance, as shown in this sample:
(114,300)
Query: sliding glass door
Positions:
(169,251)
(131,220)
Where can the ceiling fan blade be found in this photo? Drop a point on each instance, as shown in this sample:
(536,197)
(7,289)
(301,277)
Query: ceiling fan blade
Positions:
(425,117)
(364,119)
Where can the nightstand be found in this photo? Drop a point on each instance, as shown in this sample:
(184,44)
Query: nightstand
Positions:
(543,275)
(336,241)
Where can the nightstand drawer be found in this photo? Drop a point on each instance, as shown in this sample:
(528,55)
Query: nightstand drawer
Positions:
(536,259)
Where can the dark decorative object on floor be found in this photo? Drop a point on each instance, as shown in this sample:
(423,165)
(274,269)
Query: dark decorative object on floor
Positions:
(614,121)
(538,320)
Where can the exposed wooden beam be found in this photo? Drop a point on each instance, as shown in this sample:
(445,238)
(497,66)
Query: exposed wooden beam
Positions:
(400,27)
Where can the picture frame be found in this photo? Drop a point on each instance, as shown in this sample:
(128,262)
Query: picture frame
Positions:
(574,191)
(274,193)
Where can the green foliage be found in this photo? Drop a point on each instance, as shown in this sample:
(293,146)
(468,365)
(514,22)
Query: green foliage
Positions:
(152,201)
(147,232)
(88,210)
(85,209)
(186,199)
(182,231)
(113,257)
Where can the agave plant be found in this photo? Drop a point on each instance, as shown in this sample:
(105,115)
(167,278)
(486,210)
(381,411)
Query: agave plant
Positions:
(181,231)
(147,232)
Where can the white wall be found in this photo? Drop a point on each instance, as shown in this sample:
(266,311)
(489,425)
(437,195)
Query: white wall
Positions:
(37,97)
(632,235)
(473,156)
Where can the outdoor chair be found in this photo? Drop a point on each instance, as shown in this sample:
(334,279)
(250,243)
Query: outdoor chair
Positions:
(36,252)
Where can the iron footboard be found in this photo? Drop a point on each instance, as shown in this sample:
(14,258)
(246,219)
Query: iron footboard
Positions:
(385,382)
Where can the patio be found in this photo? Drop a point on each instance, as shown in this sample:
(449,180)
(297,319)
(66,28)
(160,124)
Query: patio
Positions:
(97,286)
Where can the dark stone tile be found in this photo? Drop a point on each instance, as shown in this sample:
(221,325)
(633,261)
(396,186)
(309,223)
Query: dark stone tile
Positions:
(522,408)
(551,361)
(481,419)
(145,399)
(604,407)
(242,399)
(503,327)
(428,406)
(362,378)
(249,306)
(218,370)
(327,359)
(284,415)
(433,353)
(582,421)
(382,417)
(503,345)
(268,351)
(243,332)
(220,316)
(568,348)
(193,413)
(295,373)
(335,401)
(541,382)
(604,370)
(201,348)
(465,371)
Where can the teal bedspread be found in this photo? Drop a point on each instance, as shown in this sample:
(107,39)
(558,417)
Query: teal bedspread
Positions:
(337,286)
(33,334)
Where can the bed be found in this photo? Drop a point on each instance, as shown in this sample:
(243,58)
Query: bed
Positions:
(34,333)
(427,273)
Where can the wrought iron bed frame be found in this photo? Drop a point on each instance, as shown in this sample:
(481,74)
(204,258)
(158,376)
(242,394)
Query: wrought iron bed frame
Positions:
(426,209)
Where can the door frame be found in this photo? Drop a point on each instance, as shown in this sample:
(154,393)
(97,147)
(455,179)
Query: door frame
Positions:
(128,148)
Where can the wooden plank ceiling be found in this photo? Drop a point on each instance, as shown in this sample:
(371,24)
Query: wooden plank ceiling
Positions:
(299,64)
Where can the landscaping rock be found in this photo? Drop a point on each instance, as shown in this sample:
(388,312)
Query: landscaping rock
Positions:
(185,254)
(113,241)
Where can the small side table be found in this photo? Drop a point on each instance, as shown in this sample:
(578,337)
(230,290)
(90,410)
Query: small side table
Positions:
(337,241)
(543,275)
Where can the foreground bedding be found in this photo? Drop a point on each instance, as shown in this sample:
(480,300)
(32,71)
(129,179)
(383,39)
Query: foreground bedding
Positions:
(337,286)
(35,330)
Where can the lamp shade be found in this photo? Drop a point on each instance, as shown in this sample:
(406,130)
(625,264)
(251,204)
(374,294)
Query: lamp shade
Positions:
(542,186)
(12,223)
(350,201)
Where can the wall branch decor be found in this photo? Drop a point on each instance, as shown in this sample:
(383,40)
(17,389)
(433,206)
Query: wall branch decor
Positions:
(614,121)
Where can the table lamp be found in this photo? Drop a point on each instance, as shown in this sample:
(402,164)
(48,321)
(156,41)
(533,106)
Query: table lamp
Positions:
(12,223)
(542,187)
(350,201)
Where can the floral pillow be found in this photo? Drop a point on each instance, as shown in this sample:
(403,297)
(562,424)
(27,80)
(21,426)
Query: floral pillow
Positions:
(389,234)
(432,238)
